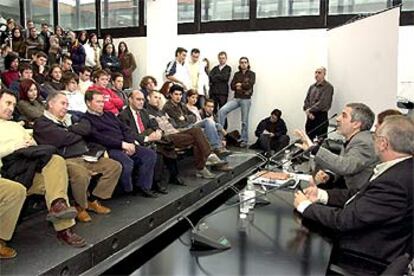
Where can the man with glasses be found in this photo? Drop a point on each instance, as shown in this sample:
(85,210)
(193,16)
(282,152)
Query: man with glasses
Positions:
(242,84)
(357,157)
(377,221)
(318,101)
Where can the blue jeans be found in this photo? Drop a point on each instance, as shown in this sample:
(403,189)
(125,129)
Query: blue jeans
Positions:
(210,130)
(142,162)
(244,105)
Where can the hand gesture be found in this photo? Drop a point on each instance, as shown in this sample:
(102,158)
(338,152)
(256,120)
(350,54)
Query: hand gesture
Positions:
(299,198)
(312,193)
(306,141)
(321,177)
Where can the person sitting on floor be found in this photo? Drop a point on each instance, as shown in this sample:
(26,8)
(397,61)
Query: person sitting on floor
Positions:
(56,128)
(271,133)
(116,137)
(51,181)
(147,133)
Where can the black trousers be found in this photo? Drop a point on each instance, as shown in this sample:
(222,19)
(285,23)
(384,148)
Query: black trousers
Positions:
(268,143)
(318,126)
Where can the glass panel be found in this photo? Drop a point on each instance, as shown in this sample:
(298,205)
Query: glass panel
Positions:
(357,6)
(40,11)
(119,13)
(77,17)
(185,11)
(408,5)
(272,8)
(10,9)
(215,10)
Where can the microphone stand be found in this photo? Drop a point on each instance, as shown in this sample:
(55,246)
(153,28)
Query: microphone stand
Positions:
(270,159)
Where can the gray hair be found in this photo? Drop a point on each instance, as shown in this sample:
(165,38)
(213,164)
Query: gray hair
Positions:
(53,96)
(362,113)
(399,130)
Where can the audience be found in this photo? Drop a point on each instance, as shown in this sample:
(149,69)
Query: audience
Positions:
(18,42)
(25,72)
(51,181)
(11,64)
(53,84)
(93,52)
(109,60)
(56,128)
(30,105)
(76,103)
(219,81)
(117,87)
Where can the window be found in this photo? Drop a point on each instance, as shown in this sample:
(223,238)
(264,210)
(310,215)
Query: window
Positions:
(75,16)
(357,6)
(40,11)
(278,8)
(408,5)
(10,9)
(217,10)
(185,11)
(119,13)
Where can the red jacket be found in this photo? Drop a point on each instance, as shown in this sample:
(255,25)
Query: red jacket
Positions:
(9,76)
(113,103)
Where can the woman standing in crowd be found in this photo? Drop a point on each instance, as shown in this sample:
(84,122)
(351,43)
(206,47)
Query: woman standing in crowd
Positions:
(29,105)
(109,60)
(55,52)
(128,64)
(83,37)
(18,43)
(77,53)
(11,64)
(108,40)
(93,52)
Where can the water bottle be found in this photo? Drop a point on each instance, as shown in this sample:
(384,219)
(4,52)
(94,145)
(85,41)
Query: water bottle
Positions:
(244,207)
(286,161)
(251,194)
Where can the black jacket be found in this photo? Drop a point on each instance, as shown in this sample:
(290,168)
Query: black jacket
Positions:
(219,80)
(378,221)
(278,128)
(22,165)
(127,118)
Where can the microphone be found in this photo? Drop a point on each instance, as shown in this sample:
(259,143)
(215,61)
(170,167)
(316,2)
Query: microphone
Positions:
(298,140)
(203,237)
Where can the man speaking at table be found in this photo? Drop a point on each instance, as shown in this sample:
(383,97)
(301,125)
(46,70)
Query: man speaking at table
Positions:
(377,221)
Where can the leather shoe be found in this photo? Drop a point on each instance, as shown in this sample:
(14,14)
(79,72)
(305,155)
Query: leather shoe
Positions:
(177,181)
(83,215)
(149,194)
(161,190)
(6,252)
(223,168)
(60,210)
(97,207)
(71,238)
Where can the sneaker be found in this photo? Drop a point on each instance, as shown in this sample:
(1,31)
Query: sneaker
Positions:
(6,252)
(98,208)
(244,144)
(214,160)
(205,173)
(222,152)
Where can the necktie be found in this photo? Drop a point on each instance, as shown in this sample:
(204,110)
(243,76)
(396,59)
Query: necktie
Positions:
(140,125)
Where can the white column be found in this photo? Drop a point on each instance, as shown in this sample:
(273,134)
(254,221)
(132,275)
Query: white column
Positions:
(161,36)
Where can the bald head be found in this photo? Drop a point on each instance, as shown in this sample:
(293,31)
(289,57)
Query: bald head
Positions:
(136,99)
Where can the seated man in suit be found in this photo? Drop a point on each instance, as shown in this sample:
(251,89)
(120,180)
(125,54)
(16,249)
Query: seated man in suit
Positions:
(52,181)
(56,128)
(108,131)
(12,197)
(376,222)
(147,132)
(357,158)
(182,138)
(271,133)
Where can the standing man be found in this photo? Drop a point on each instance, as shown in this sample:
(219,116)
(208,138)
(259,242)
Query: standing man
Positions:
(318,101)
(242,84)
(219,81)
(177,72)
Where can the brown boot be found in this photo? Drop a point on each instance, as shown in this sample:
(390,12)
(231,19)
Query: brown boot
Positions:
(71,238)
(6,252)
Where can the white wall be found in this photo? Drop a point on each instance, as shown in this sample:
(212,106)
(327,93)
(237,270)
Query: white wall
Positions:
(284,62)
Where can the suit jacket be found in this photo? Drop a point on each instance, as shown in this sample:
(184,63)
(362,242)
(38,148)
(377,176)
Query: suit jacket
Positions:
(127,118)
(355,162)
(378,221)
